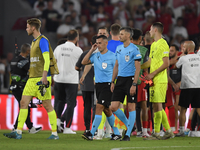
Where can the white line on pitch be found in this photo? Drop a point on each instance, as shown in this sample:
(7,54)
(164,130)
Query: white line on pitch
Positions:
(121,148)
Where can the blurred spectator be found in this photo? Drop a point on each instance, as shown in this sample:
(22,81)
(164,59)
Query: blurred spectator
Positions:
(108,24)
(82,42)
(57,5)
(9,57)
(84,24)
(117,20)
(139,16)
(180,29)
(87,8)
(131,23)
(155,5)
(50,18)
(133,6)
(65,5)
(69,11)
(31,2)
(113,2)
(121,13)
(109,11)
(171,12)
(166,19)
(100,17)
(74,18)
(191,21)
(97,3)
(38,13)
(91,33)
(39,6)
(77,6)
(149,9)
(147,25)
(64,28)
(177,40)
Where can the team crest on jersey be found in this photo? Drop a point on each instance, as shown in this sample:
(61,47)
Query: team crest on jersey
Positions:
(127,57)
(104,65)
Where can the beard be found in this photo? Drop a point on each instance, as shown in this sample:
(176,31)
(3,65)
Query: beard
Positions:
(170,57)
(186,52)
(30,33)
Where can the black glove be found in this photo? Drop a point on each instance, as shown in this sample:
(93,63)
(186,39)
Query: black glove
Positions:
(42,87)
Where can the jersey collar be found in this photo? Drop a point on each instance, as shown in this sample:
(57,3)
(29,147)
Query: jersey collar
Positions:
(37,38)
(191,53)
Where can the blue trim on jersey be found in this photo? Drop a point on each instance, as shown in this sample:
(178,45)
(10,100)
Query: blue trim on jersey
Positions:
(112,45)
(103,66)
(44,45)
(126,57)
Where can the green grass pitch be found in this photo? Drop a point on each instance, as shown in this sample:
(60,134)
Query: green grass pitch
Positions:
(39,141)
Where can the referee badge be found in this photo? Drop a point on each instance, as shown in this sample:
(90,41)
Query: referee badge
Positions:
(104,65)
(127,58)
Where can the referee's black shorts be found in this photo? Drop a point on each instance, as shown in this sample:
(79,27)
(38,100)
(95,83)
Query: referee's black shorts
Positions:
(122,88)
(103,94)
(190,96)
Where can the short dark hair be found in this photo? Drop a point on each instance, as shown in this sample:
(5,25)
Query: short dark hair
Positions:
(103,37)
(159,26)
(72,34)
(105,28)
(70,3)
(136,33)
(115,28)
(78,28)
(127,29)
(25,47)
(180,18)
(35,22)
(176,47)
(93,40)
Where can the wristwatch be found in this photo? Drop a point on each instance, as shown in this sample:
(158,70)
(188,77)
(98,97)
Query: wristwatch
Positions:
(134,84)
(112,81)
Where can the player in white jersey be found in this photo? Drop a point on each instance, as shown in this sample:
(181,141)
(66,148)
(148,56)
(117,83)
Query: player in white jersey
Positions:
(190,82)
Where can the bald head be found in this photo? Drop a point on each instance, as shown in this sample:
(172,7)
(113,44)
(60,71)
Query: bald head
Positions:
(188,47)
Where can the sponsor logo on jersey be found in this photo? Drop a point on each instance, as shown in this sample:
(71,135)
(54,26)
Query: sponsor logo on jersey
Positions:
(34,59)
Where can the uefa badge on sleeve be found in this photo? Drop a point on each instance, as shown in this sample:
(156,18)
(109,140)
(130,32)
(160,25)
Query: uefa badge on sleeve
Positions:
(104,65)
(127,58)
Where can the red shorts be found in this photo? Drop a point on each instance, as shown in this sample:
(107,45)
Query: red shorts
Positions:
(141,92)
(170,96)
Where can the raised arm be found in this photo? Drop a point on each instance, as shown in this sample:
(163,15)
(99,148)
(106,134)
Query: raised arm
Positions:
(86,59)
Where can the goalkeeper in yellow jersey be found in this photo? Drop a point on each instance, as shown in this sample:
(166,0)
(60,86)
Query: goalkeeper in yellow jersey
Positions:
(42,66)
(158,63)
